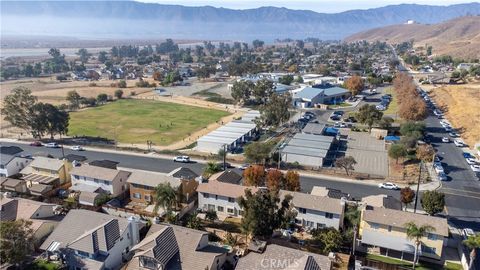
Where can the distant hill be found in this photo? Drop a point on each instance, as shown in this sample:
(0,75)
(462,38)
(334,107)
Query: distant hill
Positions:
(117,19)
(458,37)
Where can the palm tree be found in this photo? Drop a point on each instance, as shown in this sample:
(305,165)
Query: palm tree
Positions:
(416,233)
(210,169)
(472,242)
(165,196)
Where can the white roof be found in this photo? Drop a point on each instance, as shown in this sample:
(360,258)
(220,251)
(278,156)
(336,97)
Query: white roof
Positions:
(219,140)
(304,151)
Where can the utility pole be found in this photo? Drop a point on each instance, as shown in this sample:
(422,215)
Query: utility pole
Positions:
(354,240)
(63,152)
(418,186)
(224,156)
(279,158)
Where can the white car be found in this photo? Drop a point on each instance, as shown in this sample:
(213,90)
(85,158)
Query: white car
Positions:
(445,139)
(182,159)
(438,168)
(458,142)
(388,185)
(448,128)
(52,145)
(453,134)
(467,232)
(77,148)
(471,161)
(244,166)
(475,168)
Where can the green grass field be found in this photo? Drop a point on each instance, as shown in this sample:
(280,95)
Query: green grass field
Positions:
(136,121)
(393,106)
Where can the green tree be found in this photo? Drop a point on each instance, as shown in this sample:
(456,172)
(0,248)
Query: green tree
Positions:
(329,239)
(416,233)
(165,196)
(15,241)
(194,222)
(275,111)
(241,91)
(74,99)
(412,129)
(263,212)
(473,243)
(406,196)
(257,44)
(397,151)
(211,215)
(287,79)
(84,55)
(118,93)
(433,202)
(262,91)
(102,98)
(18,106)
(258,152)
(385,122)
(102,56)
(122,84)
(346,163)
(210,169)
(369,115)
(28,70)
(56,121)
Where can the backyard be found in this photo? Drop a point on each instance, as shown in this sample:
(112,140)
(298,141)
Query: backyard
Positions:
(136,121)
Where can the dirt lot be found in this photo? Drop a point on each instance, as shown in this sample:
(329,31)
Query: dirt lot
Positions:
(461,104)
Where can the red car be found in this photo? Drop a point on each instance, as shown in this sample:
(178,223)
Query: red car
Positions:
(36,143)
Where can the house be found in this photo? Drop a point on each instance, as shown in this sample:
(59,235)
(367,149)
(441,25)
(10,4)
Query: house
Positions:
(92,240)
(43,174)
(171,247)
(279,257)
(221,197)
(382,230)
(14,185)
(382,200)
(41,215)
(227,176)
(11,160)
(94,179)
(143,184)
(311,96)
(316,211)
(183,173)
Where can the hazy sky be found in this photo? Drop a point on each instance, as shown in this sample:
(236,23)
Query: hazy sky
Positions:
(327,6)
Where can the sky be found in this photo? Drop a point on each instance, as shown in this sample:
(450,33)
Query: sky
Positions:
(324,6)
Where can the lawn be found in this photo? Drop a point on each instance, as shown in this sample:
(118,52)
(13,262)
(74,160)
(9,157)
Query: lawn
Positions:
(136,121)
(393,106)
(42,265)
(420,266)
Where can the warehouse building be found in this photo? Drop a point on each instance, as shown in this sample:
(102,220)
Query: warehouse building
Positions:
(307,149)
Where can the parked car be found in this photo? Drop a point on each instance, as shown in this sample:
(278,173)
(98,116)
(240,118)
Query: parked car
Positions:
(448,128)
(471,161)
(36,143)
(438,168)
(183,159)
(459,142)
(388,185)
(467,155)
(475,168)
(453,134)
(77,148)
(335,117)
(445,140)
(467,232)
(227,165)
(442,176)
(339,113)
(244,166)
(52,145)
(337,124)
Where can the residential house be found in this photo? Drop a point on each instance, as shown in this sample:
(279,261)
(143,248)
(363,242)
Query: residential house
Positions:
(43,174)
(12,161)
(13,185)
(143,184)
(382,230)
(171,247)
(227,176)
(183,173)
(92,240)
(279,257)
(93,179)
(221,197)
(41,215)
(316,211)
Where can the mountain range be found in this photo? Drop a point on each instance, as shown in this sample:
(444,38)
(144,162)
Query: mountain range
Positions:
(120,19)
(458,37)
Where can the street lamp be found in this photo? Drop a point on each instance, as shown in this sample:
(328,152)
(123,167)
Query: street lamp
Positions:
(418,186)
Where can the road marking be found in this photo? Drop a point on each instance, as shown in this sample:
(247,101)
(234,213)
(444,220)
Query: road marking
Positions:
(461,195)
(461,190)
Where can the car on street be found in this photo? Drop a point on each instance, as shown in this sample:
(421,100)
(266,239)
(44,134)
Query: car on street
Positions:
(471,161)
(448,128)
(244,166)
(339,113)
(335,117)
(442,176)
(388,185)
(459,142)
(182,159)
(52,145)
(77,148)
(467,232)
(467,155)
(453,134)
(475,168)
(337,124)
(445,139)
(36,143)
(227,165)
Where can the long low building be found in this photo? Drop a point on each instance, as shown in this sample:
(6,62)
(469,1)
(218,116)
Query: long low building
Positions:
(307,149)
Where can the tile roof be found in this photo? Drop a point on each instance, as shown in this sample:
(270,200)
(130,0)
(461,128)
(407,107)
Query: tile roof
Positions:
(88,197)
(96,172)
(47,163)
(19,208)
(185,249)
(224,189)
(39,189)
(183,173)
(12,183)
(309,201)
(77,227)
(383,200)
(398,218)
(152,179)
(279,257)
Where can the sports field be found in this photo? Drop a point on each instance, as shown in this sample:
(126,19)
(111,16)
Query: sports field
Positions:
(136,121)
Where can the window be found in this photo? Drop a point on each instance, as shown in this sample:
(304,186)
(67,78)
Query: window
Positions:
(240,212)
(105,182)
(230,210)
(432,236)
(137,195)
(302,210)
(374,226)
(328,215)
(427,249)
(216,197)
(220,208)
(211,207)
(232,200)
(389,228)
(96,180)
(206,195)
(147,198)
(321,225)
